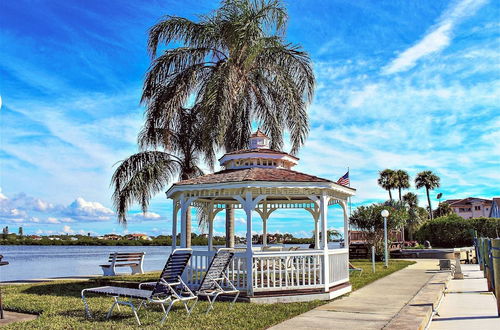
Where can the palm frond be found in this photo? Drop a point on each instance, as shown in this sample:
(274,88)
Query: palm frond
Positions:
(141,176)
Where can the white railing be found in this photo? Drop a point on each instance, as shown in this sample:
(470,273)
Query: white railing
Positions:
(287,270)
(198,264)
(200,260)
(338,264)
(277,271)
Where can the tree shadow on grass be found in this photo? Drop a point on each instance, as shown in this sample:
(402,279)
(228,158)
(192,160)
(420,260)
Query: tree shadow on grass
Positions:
(58,289)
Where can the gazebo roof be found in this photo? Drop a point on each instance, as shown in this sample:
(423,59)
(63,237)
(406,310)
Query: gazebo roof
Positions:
(253,174)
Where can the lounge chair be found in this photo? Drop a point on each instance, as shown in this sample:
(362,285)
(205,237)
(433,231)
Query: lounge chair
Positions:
(169,289)
(211,284)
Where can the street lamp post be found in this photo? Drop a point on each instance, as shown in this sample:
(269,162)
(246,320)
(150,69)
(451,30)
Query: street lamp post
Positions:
(385,214)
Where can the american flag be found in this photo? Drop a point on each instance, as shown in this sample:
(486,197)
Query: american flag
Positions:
(344,180)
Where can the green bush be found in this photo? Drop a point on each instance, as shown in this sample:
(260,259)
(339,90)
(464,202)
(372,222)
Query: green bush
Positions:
(454,231)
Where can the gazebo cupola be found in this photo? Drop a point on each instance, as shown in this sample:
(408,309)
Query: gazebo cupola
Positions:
(258,155)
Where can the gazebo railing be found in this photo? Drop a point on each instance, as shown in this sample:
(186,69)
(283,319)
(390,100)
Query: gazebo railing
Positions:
(279,270)
(200,260)
(338,264)
(287,270)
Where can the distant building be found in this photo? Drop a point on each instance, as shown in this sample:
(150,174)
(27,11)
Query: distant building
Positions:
(495,208)
(112,237)
(471,207)
(35,237)
(137,237)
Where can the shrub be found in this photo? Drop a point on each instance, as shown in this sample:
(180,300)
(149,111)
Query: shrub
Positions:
(454,231)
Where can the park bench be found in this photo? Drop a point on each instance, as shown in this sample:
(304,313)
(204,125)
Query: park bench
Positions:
(133,260)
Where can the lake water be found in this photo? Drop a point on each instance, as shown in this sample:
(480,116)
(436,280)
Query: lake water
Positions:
(31,261)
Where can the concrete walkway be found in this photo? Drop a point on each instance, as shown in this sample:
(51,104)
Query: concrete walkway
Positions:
(371,307)
(11,317)
(467,304)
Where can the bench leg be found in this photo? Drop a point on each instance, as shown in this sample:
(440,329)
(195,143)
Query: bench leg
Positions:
(137,269)
(108,271)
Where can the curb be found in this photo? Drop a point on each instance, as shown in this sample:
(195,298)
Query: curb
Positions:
(419,311)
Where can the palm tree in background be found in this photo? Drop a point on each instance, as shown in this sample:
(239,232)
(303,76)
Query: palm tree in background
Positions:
(236,66)
(430,181)
(401,181)
(175,153)
(387,181)
(414,213)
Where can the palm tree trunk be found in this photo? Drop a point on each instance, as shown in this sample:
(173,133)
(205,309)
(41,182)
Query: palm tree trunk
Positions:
(188,227)
(399,194)
(229,226)
(429,201)
(390,194)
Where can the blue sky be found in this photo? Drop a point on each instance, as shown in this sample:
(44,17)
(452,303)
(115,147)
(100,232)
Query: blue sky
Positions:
(400,84)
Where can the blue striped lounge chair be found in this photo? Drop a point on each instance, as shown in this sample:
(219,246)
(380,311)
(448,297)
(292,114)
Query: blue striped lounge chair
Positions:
(169,289)
(215,282)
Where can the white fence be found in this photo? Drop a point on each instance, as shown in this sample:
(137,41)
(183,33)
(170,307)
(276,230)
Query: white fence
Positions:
(279,270)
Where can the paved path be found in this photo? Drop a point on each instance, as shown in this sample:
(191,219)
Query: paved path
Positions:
(371,307)
(10,317)
(467,304)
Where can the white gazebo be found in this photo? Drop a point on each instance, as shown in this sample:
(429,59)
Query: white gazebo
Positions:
(260,179)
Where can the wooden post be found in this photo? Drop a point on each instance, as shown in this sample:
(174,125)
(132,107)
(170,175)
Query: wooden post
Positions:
(479,253)
(490,269)
(495,251)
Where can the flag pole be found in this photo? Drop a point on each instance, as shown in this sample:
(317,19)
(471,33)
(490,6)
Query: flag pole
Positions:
(349,174)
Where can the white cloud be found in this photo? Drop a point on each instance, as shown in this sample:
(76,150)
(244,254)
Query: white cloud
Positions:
(67,230)
(146,216)
(83,209)
(26,208)
(52,220)
(438,38)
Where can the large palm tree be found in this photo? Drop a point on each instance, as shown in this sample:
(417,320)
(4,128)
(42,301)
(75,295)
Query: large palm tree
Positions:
(401,181)
(173,153)
(430,181)
(237,67)
(387,180)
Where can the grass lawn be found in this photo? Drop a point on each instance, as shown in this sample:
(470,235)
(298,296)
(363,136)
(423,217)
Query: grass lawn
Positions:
(60,306)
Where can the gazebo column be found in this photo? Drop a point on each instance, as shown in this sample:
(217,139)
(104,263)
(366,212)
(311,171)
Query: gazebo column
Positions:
(210,234)
(248,204)
(174,223)
(315,213)
(264,215)
(229,226)
(185,202)
(343,204)
(211,217)
(323,211)
(324,228)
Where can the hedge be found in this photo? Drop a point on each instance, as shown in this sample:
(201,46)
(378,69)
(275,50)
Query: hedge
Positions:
(454,231)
